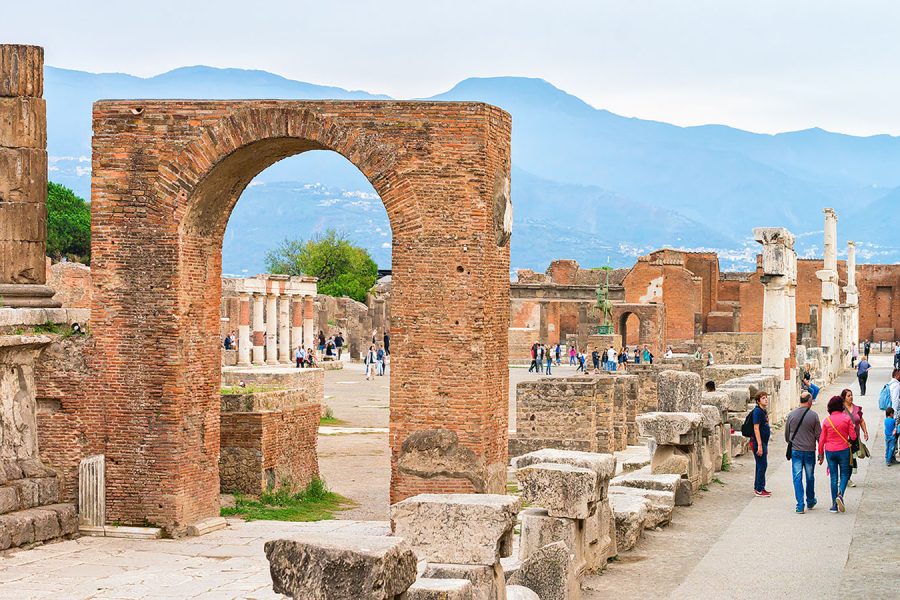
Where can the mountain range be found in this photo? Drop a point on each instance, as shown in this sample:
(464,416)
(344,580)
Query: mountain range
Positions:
(587,184)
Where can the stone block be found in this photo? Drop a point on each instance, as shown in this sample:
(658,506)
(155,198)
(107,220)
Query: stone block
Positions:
(633,464)
(603,464)
(19,526)
(46,524)
(563,490)
(48,490)
(660,508)
(671,428)
(488,581)
(600,537)
(9,499)
(346,568)
(466,529)
(684,492)
(23,175)
(439,589)
(712,417)
(33,467)
(21,70)
(23,122)
(519,592)
(11,469)
(550,573)
(28,492)
(670,459)
(539,529)
(678,391)
(647,481)
(67,517)
(631,515)
(739,444)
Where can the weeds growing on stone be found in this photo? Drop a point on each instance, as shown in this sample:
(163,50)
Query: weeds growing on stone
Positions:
(726,464)
(717,480)
(704,488)
(329,419)
(315,503)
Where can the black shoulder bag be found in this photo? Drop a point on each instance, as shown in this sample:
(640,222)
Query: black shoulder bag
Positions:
(790,446)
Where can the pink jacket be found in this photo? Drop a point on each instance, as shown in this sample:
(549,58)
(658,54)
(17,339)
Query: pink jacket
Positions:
(833,437)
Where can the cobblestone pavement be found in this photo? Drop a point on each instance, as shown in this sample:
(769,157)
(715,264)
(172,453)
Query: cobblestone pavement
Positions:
(220,565)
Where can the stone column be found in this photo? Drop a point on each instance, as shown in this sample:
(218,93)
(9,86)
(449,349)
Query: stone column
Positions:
(829,277)
(852,293)
(244,329)
(259,329)
(23,179)
(296,321)
(284,329)
(779,265)
(308,322)
(272,328)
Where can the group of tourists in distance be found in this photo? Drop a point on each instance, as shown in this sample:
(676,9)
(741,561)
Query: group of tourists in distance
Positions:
(545,356)
(839,440)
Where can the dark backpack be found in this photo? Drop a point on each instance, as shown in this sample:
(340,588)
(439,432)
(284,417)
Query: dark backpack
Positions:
(747,427)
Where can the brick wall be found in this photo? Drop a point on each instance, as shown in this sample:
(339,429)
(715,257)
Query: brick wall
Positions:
(733,348)
(268,439)
(166,175)
(879,301)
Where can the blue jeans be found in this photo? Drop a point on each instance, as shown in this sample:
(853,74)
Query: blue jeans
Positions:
(838,465)
(814,390)
(762,463)
(571,360)
(804,461)
(549,364)
(890,448)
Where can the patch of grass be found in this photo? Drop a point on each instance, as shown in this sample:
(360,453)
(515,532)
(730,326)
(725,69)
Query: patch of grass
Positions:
(236,390)
(704,488)
(726,463)
(717,480)
(329,419)
(315,503)
(48,327)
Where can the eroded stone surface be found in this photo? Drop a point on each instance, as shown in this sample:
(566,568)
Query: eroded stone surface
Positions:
(539,529)
(550,573)
(631,515)
(661,504)
(519,592)
(439,589)
(563,490)
(603,464)
(488,581)
(466,529)
(670,427)
(336,567)
(679,391)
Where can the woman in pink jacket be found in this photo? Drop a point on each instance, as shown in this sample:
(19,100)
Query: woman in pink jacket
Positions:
(834,444)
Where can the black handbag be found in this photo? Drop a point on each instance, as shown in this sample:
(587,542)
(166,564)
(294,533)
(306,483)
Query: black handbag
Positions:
(790,447)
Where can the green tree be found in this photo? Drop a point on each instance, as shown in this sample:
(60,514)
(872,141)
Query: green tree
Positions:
(342,268)
(68,224)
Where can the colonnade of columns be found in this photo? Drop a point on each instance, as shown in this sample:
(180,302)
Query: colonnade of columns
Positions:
(275,317)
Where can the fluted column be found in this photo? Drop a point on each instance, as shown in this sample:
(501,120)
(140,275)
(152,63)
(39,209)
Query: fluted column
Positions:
(852,293)
(296,321)
(259,329)
(244,329)
(272,328)
(308,322)
(284,329)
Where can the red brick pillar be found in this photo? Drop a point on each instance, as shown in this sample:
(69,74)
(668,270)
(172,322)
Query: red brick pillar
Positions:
(296,322)
(308,323)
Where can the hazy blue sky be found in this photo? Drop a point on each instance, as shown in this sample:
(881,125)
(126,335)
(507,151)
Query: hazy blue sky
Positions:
(764,65)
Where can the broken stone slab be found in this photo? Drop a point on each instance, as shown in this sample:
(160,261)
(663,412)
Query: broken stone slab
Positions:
(684,495)
(439,589)
(9,499)
(563,490)
(550,573)
(488,581)
(519,592)
(635,463)
(671,460)
(603,464)
(463,529)
(739,444)
(540,529)
(661,504)
(671,428)
(631,517)
(678,391)
(341,567)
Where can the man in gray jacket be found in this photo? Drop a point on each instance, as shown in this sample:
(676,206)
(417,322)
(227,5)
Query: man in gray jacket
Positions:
(802,429)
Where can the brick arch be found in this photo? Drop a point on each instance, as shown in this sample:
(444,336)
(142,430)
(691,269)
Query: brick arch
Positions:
(167,175)
(652,328)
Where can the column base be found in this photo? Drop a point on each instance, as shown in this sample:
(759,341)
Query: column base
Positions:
(27,295)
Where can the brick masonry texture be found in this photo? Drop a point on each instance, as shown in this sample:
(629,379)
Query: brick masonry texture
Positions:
(166,175)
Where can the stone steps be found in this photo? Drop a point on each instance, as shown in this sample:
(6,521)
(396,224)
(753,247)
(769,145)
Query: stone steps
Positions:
(31,525)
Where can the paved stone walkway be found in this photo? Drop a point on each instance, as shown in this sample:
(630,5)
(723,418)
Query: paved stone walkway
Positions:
(221,565)
(733,545)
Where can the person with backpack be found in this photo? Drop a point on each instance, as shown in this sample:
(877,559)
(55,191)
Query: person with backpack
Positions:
(862,375)
(835,446)
(894,392)
(801,431)
(890,437)
(756,427)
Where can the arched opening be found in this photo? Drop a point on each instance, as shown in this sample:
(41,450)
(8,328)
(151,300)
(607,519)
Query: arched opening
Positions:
(168,176)
(630,328)
(307,197)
